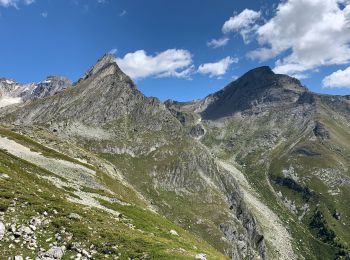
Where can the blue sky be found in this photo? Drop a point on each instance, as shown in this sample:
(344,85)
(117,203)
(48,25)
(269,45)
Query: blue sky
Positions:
(167,46)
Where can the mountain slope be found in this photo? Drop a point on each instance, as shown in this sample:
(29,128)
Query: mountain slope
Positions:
(103,117)
(293,147)
(258,170)
(46,212)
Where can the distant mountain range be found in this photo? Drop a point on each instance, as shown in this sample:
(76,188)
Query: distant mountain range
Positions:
(257,170)
(12,92)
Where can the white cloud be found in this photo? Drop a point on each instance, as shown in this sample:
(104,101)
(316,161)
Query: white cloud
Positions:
(170,63)
(338,79)
(300,76)
(216,43)
(15,3)
(244,23)
(44,14)
(244,19)
(217,69)
(113,51)
(314,33)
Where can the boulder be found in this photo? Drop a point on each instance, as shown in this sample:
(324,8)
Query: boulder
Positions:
(2,230)
(54,252)
(173,232)
(74,216)
(201,256)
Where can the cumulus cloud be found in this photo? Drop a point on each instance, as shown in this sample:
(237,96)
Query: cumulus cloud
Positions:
(338,79)
(216,43)
(244,19)
(15,3)
(170,63)
(313,32)
(244,23)
(217,69)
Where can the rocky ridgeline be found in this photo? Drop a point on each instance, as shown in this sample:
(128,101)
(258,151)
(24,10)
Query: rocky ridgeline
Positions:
(12,92)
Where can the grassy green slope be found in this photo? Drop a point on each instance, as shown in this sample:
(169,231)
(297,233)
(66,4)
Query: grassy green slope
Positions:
(322,172)
(139,233)
(198,213)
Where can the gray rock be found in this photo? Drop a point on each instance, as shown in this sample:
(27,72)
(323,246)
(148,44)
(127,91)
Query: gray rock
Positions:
(337,215)
(54,252)
(2,230)
(35,221)
(4,176)
(197,130)
(321,131)
(74,216)
(27,231)
(173,232)
(12,228)
(201,256)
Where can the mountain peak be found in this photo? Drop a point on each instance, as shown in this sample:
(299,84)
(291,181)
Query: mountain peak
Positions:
(261,70)
(264,77)
(259,74)
(108,58)
(105,66)
(259,86)
(7,81)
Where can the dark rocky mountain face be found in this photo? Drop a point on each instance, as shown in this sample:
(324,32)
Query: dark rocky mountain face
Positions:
(258,87)
(258,170)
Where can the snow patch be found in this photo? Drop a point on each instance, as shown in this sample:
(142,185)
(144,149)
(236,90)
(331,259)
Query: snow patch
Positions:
(46,81)
(7,101)
(9,82)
